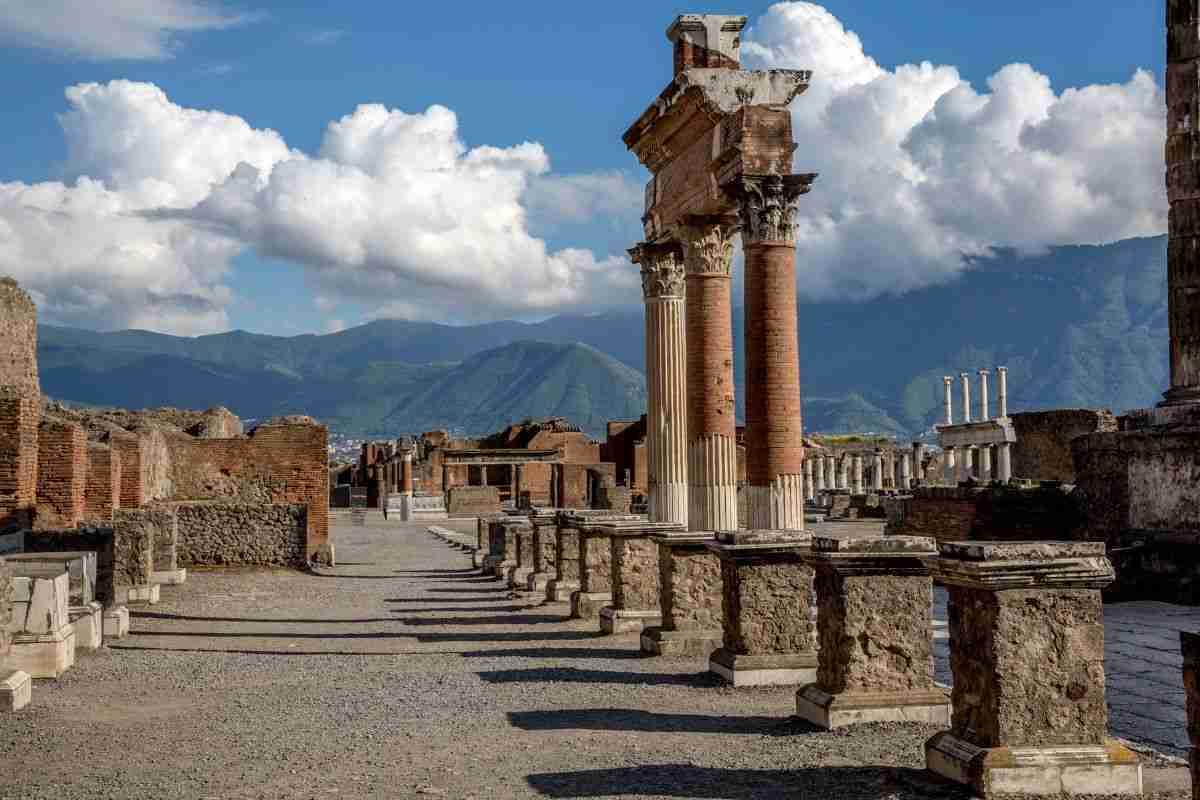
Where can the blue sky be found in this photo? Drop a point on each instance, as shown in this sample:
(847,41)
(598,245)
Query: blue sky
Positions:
(568,76)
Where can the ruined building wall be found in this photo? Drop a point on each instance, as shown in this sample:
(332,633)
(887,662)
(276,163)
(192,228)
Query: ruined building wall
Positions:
(212,533)
(20,415)
(1001,514)
(62,474)
(1043,448)
(129,448)
(535,480)
(473,501)
(283,461)
(18,340)
(576,447)
(102,495)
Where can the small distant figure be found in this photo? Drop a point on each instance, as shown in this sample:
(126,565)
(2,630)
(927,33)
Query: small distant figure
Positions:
(385,512)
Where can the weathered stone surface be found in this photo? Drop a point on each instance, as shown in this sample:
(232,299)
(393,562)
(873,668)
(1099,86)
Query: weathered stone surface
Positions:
(1021,551)
(635,574)
(595,561)
(235,533)
(134,533)
(6,593)
(689,586)
(79,566)
(566,554)
(766,601)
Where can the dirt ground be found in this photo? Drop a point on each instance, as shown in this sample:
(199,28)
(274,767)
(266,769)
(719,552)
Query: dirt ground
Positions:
(404,673)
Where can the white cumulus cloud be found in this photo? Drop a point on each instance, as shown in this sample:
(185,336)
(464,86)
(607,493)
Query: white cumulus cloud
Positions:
(110,29)
(919,169)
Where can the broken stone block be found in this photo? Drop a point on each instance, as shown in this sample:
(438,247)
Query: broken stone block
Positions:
(80,567)
(874,628)
(566,564)
(16,690)
(595,572)
(116,623)
(88,622)
(690,598)
(1027,655)
(545,525)
(767,587)
(519,575)
(43,639)
(634,576)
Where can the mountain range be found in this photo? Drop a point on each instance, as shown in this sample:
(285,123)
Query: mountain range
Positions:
(1076,326)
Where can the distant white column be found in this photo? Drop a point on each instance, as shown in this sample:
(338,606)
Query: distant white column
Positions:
(844,472)
(1004,462)
(965,459)
(1002,389)
(983,395)
(949,399)
(877,478)
(810,488)
(966,393)
(918,462)
(905,471)
(950,466)
(858,474)
(819,473)
(985,462)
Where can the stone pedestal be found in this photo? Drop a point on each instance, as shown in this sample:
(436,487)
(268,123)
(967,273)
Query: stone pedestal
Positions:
(634,577)
(768,636)
(172,577)
(545,527)
(43,639)
(566,564)
(147,594)
(502,548)
(1027,654)
(689,598)
(519,576)
(595,573)
(88,622)
(116,623)
(16,690)
(874,626)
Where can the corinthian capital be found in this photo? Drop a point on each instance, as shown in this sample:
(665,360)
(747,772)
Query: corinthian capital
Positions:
(707,245)
(662,269)
(767,205)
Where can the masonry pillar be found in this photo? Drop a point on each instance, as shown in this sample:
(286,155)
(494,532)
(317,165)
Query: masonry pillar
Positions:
(844,471)
(1183,192)
(886,674)
(1002,391)
(711,416)
(830,473)
(918,461)
(1027,655)
(877,477)
(905,472)
(663,285)
(858,475)
(949,383)
(1004,462)
(966,394)
(984,453)
(518,482)
(984,416)
(483,476)
(774,446)
(819,473)
(810,489)
(406,473)
(950,467)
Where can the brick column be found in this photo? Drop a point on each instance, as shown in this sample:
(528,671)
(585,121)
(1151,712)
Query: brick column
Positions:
(103,493)
(1183,192)
(62,475)
(774,446)
(666,379)
(20,414)
(1027,655)
(711,417)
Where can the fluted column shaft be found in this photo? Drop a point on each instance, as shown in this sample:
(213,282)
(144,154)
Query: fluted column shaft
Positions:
(711,415)
(858,475)
(666,380)
(406,473)
(877,478)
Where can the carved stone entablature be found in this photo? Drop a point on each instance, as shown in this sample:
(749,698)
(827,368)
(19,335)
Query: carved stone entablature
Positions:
(662,269)
(767,205)
(707,245)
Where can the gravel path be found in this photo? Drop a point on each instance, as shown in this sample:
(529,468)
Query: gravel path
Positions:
(402,673)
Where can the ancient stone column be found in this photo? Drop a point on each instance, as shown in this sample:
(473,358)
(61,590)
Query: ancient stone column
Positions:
(905,472)
(689,598)
(483,476)
(1027,655)
(819,473)
(566,561)
(858,475)
(545,530)
(1004,462)
(984,453)
(984,416)
(774,445)
(950,467)
(711,417)
(1183,192)
(1002,391)
(810,487)
(877,477)
(918,460)
(844,471)
(666,380)
(949,399)
(830,473)
(966,393)
(887,674)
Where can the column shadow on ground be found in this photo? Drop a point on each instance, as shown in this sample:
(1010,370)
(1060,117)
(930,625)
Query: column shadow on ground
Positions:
(686,780)
(466,590)
(184,618)
(540,636)
(634,719)
(445,609)
(443,599)
(507,619)
(575,675)
(554,653)
(448,572)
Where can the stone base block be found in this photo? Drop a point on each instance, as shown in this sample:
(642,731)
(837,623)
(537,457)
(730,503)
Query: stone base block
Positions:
(587,605)
(88,622)
(681,644)
(614,620)
(1108,769)
(16,691)
(477,559)
(537,582)
(852,708)
(116,623)
(519,577)
(169,577)
(560,591)
(138,595)
(46,655)
(778,669)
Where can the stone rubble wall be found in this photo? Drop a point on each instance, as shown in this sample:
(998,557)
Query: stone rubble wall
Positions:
(765,608)
(472,501)
(62,474)
(136,531)
(1043,448)
(986,514)
(213,533)
(635,561)
(19,418)
(693,601)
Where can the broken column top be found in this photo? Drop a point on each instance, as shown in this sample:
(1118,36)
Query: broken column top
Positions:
(1020,551)
(996,566)
(711,41)
(874,545)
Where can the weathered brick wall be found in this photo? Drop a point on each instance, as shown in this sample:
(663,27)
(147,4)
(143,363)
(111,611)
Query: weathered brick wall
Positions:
(614,498)
(18,340)
(576,447)
(1005,514)
(216,423)
(102,495)
(133,479)
(284,461)
(535,479)
(157,446)
(472,501)
(19,418)
(1043,448)
(62,474)
(214,533)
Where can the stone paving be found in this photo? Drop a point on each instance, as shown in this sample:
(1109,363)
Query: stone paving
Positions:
(1143,668)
